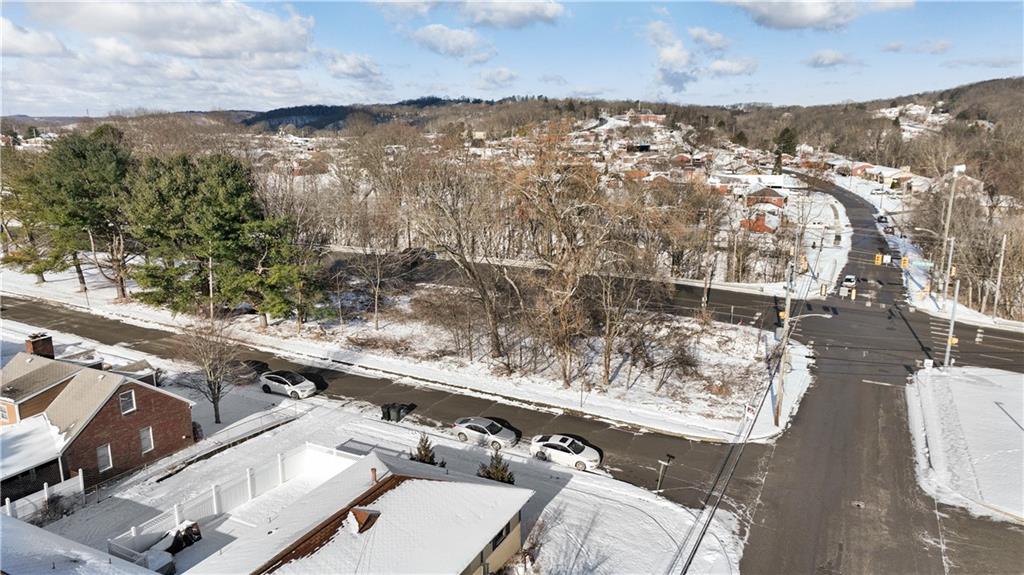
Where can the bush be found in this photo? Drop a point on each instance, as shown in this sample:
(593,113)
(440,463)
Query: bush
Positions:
(497,469)
(425,452)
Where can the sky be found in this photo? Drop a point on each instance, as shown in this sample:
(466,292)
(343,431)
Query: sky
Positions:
(91,58)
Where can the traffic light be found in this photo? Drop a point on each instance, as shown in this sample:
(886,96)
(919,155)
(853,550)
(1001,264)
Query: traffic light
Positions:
(878,259)
(952,271)
(905,262)
(782,314)
(954,340)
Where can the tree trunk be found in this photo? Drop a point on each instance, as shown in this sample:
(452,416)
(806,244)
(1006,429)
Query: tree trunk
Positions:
(39,278)
(78,271)
(376,300)
(263,321)
(216,410)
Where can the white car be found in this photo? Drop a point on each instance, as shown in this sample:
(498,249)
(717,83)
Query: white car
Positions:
(483,431)
(849,282)
(566,451)
(287,383)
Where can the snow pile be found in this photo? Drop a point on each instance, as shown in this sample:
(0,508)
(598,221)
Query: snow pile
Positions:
(968,438)
(29,550)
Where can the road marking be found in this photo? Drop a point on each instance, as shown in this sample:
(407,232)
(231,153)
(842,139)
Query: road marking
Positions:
(995,357)
(879,383)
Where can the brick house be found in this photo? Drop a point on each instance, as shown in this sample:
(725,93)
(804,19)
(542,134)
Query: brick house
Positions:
(766,196)
(112,424)
(761,223)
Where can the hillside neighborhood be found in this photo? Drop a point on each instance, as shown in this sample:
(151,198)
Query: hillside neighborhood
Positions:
(525,288)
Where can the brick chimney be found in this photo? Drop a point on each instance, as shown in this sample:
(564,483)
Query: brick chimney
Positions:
(39,344)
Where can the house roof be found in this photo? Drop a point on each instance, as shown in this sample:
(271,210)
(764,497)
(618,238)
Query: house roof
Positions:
(26,375)
(28,444)
(430,521)
(765,193)
(29,550)
(83,397)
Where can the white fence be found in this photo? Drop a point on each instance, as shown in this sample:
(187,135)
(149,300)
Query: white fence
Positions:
(219,499)
(29,507)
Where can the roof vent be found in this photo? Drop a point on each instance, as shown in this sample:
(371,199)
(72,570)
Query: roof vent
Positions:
(360,519)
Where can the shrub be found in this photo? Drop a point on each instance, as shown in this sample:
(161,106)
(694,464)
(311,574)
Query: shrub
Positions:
(497,469)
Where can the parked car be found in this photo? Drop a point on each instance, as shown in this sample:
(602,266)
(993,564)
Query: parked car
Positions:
(244,371)
(287,383)
(483,431)
(849,282)
(566,451)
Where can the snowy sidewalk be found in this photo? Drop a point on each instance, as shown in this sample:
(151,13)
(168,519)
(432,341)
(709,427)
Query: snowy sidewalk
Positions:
(968,430)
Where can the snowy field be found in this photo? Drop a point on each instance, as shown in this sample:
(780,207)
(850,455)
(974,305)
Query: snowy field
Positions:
(968,438)
(593,523)
(710,405)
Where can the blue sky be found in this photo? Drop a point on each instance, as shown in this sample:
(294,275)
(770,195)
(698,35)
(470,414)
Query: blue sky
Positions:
(70,59)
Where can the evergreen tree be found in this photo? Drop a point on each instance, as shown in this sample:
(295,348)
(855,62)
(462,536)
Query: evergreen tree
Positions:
(786,141)
(777,169)
(425,452)
(497,469)
(740,138)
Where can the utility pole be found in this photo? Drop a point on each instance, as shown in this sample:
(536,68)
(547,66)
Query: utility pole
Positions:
(949,270)
(777,412)
(952,323)
(957,170)
(999,278)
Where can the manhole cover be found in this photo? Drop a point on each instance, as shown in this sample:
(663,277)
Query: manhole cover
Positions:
(858,504)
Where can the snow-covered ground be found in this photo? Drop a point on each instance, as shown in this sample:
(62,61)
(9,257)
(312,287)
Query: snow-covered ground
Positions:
(920,292)
(824,219)
(968,430)
(592,522)
(709,406)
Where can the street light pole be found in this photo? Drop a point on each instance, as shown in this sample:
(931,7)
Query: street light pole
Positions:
(949,270)
(957,170)
(999,278)
(952,323)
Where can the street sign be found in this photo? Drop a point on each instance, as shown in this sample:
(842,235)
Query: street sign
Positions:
(887,259)
(923,264)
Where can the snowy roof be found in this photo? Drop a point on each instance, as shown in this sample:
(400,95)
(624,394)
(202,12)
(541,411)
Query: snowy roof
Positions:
(29,443)
(430,521)
(26,374)
(29,550)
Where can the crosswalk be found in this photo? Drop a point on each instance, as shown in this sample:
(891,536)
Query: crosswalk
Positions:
(938,331)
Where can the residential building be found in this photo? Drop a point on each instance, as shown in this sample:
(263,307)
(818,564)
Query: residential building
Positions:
(385,514)
(29,549)
(29,383)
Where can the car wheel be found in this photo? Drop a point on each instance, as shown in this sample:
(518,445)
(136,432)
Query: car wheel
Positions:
(463,437)
(293,395)
(495,445)
(540,455)
(581,466)
(266,388)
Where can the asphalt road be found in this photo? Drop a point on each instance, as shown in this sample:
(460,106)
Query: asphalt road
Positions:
(840,495)
(835,494)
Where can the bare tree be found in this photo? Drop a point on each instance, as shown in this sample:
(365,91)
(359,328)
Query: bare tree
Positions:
(209,346)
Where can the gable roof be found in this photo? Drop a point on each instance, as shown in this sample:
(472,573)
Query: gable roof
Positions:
(29,549)
(85,395)
(27,375)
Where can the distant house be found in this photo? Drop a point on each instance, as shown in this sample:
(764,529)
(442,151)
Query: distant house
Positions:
(385,514)
(765,196)
(761,223)
(101,422)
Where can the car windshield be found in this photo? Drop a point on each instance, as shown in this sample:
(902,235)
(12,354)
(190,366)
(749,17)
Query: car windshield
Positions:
(493,428)
(576,447)
(292,377)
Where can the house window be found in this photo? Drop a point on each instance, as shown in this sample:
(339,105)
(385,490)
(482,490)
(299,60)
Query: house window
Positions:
(501,536)
(3,413)
(146,438)
(127,401)
(103,458)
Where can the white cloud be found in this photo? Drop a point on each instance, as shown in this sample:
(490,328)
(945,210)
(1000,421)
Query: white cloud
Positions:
(661,11)
(497,78)
(18,41)
(195,30)
(113,50)
(733,67)
(937,46)
(820,14)
(893,47)
(673,59)
(353,66)
(828,59)
(503,14)
(997,62)
(710,39)
(454,42)
(554,79)
(930,47)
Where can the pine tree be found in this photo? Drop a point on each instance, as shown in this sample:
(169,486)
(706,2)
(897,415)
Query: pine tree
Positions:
(425,452)
(497,469)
